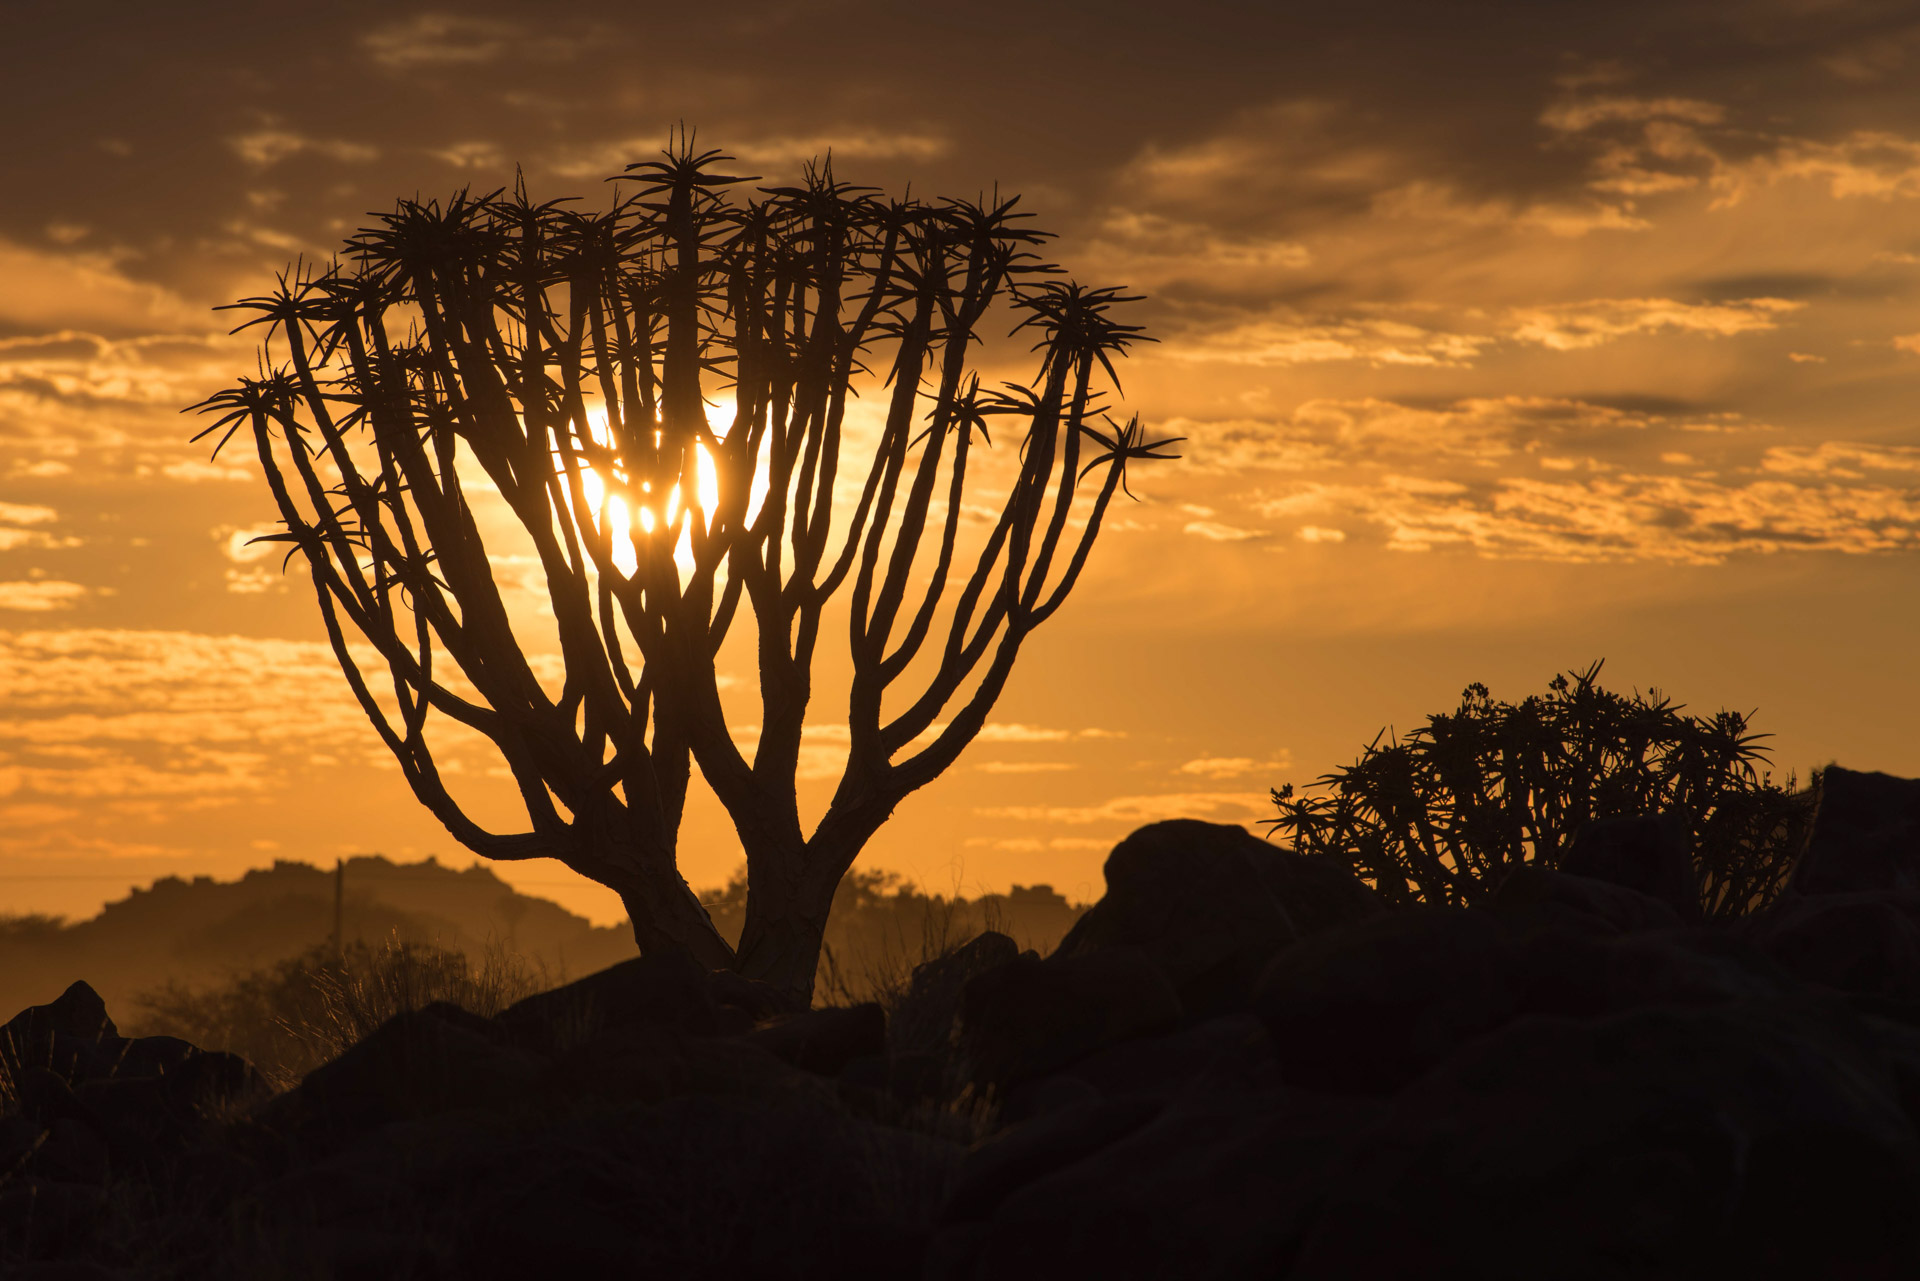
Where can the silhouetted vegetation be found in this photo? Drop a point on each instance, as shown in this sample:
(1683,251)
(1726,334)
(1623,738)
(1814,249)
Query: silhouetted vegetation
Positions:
(290,1014)
(200,932)
(565,357)
(290,1017)
(1443,813)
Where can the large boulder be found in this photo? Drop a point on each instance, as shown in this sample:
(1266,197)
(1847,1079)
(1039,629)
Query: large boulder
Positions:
(1866,942)
(1034,1017)
(668,989)
(1647,853)
(1210,903)
(1367,1008)
(1220,1181)
(1540,897)
(135,1100)
(1751,1138)
(70,1035)
(418,1063)
(924,1021)
(1865,835)
(826,1040)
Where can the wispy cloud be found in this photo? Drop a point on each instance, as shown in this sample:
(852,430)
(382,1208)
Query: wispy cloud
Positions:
(1136,810)
(1235,766)
(40,596)
(1572,326)
(264,148)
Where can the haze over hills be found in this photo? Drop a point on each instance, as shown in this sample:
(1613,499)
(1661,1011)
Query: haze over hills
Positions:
(203,931)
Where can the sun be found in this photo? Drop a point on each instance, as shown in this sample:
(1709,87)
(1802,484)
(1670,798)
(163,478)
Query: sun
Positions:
(618,517)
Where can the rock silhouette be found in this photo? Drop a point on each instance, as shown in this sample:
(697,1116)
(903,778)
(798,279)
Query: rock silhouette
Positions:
(1582,1080)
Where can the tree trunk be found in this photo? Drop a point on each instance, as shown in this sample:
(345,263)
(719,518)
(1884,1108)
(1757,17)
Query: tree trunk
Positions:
(667,917)
(787,907)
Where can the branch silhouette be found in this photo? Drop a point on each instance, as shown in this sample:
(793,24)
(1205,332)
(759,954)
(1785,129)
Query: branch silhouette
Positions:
(563,358)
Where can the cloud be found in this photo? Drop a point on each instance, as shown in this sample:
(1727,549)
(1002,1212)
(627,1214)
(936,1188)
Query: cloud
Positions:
(1869,164)
(172,717)
(1024,767)
(1137,810)
(1578,114)
(264,148)
(1215,532)
(1015,732)
(26,514)
(1840,459)
(1686,519)
(1573,326)
(15,520)
(1324,434)
(40,596)
(77,296)
(1235,766)
(1378,341)
(440,40)
(779,154)
(1154,251)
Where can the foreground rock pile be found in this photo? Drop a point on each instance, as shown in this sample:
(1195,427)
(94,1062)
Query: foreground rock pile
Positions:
(1238,1064)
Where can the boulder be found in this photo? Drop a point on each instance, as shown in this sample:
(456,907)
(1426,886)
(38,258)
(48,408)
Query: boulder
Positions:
(824,1041)
(1015,1158)
(70,1035)
(1210,903)
(1155,1066)
(924,1021)
(1865,835)
(756,1000)
(649,1063)
(1650,854)
(1367,1008)
(1221,1182)
(1755,1138)
(670,989)
(424,1061)
(1585,976)
(1867,942)
(1540,897)
(170,1109)
(1034,1017)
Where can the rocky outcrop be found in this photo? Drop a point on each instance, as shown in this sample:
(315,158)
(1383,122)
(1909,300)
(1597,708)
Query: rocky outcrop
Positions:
(1866,835)
(1209,904)
(1246,1068)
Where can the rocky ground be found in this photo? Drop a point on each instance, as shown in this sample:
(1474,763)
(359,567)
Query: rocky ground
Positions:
(1238,1064)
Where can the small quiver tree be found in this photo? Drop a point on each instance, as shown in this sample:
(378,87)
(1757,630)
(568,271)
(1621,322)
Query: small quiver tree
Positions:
(562,358)
(1443,814)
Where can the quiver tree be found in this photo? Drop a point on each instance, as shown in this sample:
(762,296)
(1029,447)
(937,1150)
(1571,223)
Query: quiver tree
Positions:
(1443,814)
(563,359)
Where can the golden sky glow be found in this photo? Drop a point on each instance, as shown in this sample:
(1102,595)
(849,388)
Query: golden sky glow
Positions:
(1503,339)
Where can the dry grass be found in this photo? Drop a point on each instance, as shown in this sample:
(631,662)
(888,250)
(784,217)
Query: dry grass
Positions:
(289,1018)
(882,969)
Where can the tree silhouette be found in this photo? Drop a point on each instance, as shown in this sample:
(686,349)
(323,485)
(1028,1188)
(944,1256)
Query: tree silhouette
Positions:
(1442,815)
(562,358)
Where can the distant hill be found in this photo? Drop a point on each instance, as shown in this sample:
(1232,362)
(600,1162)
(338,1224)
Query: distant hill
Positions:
(203,931)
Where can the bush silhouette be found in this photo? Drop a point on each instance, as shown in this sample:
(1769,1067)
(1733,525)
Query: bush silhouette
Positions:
(563,360)
(1443,814)
(290,1017)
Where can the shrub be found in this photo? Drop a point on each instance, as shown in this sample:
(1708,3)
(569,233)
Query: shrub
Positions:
(1443,814)
(290,1017)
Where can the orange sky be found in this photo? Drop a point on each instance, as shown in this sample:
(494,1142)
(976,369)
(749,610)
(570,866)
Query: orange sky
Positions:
(1504,342)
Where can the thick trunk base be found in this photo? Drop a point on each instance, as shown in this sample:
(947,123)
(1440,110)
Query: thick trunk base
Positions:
(780,943)
(675,922)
